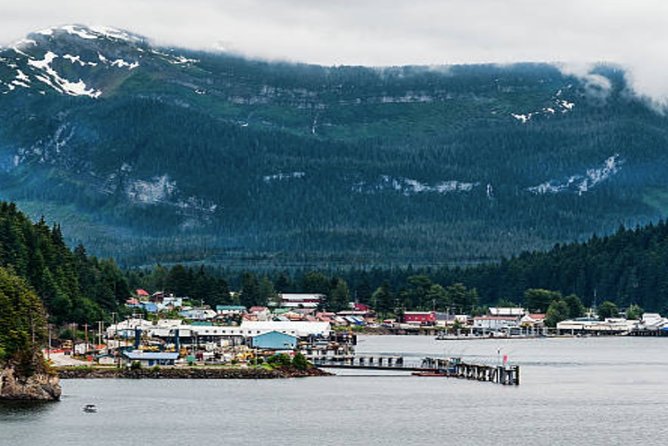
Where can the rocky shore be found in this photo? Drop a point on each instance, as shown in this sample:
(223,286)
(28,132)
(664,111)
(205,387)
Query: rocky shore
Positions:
(37,387)
(186,373)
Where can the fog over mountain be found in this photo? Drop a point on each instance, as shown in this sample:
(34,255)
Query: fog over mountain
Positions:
(576,33)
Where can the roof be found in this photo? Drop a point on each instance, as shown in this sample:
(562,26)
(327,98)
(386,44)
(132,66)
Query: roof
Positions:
(141,292)
(302,296)
(274,333)
(230,308)
(298,328)
(139,355)
(495,318)
(511,311)
(257,309)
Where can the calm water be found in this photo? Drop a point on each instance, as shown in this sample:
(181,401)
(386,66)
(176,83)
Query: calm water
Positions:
(574,391)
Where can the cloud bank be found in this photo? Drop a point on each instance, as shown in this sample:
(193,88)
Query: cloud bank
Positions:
(379,32)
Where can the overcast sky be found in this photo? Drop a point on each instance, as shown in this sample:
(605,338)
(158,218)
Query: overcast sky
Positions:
(633,33)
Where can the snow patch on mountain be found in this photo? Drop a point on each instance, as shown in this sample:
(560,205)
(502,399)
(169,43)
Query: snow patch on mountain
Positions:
(156,190)
(280,176)
(55,81)
(79,32)
(560,105)
(409,186)
(120,63)
(163,190)
(77,59)
(583,182)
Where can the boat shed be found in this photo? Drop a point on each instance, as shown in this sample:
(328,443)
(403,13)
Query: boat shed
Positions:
(274,340)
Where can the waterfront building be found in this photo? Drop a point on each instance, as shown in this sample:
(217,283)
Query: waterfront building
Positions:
(299,328)
(274,340)
(420,317)
(150,359)
(516,312)
(495,323)
(533,320)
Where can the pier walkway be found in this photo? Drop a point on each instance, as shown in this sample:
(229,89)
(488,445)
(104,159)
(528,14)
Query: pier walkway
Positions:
(450,367)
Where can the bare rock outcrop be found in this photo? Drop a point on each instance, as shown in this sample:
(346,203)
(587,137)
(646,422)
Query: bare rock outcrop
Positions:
(38,387)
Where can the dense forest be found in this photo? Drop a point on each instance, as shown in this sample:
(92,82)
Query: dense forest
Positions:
(628,268)
(22,325)
(198,157)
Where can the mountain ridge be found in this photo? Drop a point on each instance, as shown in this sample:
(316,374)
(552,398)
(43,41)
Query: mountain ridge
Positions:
(161,154)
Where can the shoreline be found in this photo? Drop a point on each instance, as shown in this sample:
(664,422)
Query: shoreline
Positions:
(185,373)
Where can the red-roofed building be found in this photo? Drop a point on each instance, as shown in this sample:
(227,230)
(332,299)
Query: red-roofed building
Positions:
(420,317)
(141,293)
(361,307)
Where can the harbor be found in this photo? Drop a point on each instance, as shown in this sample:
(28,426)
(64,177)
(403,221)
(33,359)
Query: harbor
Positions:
(557,388)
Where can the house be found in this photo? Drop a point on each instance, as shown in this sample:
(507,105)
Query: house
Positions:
(533,320)
(274,340)
(260,313)
(361,307)
(230,310)
(420,317)
(198,314)
(149,307)
(174,302)
(141,294)
(150,359)
(301,300)
(494,323)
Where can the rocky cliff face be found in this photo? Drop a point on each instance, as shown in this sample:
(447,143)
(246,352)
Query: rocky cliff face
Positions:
(38,387)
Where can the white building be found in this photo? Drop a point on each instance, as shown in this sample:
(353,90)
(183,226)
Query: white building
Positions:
(506,311)
(300,328)
(301,300)
(495,322)
(652,321)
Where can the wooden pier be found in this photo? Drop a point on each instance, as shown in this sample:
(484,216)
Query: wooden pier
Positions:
(449,368)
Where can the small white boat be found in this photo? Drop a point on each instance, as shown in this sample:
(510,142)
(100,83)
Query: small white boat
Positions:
(90,408)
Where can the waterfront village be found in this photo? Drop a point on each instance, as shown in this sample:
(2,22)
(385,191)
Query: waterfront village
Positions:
(169,330)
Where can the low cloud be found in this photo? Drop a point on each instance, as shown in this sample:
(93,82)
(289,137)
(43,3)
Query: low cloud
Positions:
(379,33)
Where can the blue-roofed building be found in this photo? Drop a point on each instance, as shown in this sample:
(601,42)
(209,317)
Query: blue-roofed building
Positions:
(150,359)
(150,307)
(274,340)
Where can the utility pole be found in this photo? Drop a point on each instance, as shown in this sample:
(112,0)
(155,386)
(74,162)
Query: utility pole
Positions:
(48,350)
(86,335)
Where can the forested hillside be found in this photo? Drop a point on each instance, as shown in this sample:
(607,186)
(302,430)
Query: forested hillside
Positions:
(73,286)
(155,155)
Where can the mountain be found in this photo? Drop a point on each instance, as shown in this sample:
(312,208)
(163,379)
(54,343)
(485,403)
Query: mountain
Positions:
(153,154)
